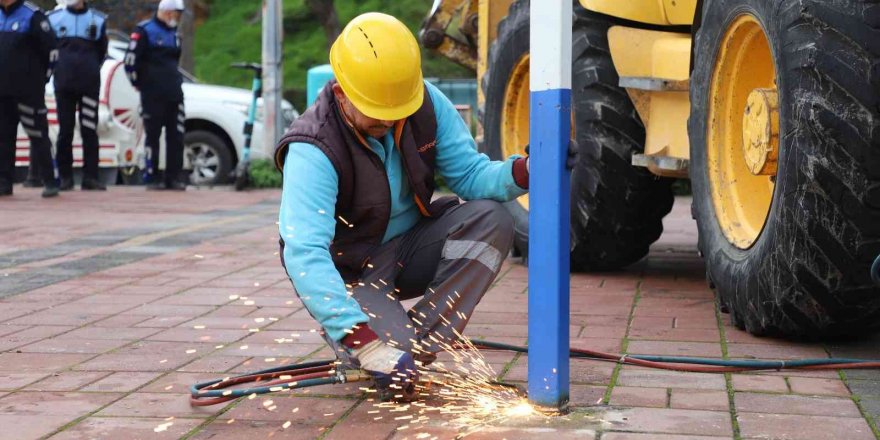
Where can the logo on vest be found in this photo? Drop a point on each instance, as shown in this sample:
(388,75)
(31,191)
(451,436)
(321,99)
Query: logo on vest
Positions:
(14,26)
(427,146)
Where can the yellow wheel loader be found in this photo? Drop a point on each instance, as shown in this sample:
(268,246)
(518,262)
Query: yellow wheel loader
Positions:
(770,107)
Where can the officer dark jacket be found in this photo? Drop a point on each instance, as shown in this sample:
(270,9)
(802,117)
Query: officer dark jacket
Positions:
(151,61)
(27,49)
(82,46)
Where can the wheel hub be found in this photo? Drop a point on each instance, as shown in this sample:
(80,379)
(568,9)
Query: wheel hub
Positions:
(761,132)
(742,133)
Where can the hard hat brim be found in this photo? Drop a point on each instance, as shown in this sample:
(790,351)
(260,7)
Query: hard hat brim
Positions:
(386,113)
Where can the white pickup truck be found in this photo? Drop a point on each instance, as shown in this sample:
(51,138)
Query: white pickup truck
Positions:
(215,117)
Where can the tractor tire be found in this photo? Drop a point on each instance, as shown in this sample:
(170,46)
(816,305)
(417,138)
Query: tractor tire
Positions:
(807,274)
(617,209)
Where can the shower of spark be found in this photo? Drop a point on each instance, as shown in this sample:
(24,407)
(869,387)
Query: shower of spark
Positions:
(461,393)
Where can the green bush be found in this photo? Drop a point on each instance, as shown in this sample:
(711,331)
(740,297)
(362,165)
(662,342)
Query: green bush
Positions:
(264,175)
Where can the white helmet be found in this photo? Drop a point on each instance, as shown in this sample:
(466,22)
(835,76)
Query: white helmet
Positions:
(171,5)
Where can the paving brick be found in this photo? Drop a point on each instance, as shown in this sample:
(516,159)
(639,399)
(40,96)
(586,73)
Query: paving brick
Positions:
(168,310)
(580,371)
(677,334)
(776,351)
(257,429)
(373,430)
(637,396)
(30,427)
(161,321)
(608,345)
(815,386)
(653,436)
(12,380)
(127,428)
(235,323)
(670,379)
(801,427)
(40,332)
(586,395)
(67,381)
(39,362)
(121,382)
(6,329)
(699,399)
(244,349)
(764,384)
(54,403)
(871,406)
(119,321)
(671,421)
(494,432)
(695,349)
(177,383)
(157,405)
(284,337)
(92,332)
(192,299)
(81,346)
(47,318)
(312,410)
(335,390)
(184,334)
(132,362)
(793,404)
(212,364)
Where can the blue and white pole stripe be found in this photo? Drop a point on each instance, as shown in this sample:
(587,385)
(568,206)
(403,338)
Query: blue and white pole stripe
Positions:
(549,241)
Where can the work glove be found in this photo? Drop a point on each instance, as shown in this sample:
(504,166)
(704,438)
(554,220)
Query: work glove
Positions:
(574,154)
(394,371)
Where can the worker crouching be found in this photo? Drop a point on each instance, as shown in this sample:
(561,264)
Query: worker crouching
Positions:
(360,228)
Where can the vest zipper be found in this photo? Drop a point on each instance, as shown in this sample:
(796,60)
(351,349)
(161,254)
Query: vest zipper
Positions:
(398,132)
(381,165)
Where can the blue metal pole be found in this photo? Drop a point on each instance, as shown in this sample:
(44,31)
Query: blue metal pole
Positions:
(549,242)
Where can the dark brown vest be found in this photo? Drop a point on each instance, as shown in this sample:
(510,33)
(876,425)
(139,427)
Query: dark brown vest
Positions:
(363,204)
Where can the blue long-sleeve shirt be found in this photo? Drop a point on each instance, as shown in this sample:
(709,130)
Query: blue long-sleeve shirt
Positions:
(307,217)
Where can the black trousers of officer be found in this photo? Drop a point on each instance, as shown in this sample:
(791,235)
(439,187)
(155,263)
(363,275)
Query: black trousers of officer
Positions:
(68,101)
(31,111)
(159,113)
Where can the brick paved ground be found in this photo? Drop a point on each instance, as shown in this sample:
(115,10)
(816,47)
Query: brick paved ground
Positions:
(112,304)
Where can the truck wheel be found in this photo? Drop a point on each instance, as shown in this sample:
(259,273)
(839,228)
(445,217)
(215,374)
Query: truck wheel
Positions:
(616,209)
(785,164)
(207,157)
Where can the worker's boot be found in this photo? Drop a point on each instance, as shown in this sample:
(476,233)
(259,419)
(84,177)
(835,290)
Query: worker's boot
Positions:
(5,188)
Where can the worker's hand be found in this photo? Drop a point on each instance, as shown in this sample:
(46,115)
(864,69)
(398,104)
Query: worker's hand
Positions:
(574,155)
(393,370)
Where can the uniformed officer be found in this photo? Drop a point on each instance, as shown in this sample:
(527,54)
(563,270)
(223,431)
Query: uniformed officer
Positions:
(27,55)
(151,63)
(82,46)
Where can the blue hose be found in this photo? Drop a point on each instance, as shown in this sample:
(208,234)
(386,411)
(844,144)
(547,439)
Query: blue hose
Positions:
(875,271)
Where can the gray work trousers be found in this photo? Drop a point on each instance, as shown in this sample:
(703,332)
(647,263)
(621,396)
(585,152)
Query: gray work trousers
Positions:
(449,262)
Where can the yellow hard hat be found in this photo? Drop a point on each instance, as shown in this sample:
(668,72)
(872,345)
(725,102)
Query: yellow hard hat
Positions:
(377,62)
